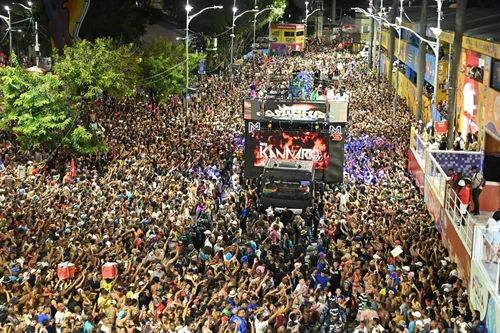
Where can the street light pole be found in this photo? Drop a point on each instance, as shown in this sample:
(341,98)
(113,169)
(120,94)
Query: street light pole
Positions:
(395,102)
(437,32)
(31,19)
(308,15)
(255,23)
(232,34)
(188,20)
(232,27)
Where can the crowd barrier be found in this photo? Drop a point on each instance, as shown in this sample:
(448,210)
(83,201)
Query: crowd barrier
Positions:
(486,255)
(429,170)
(463,223)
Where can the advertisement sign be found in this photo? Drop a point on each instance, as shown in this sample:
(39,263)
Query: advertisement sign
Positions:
(430,68)
(482,299)
(285,49)
(491,113)
(385,39)
(308,111)
(416,171)
(305,146)
(402,51)
(325,148)
(412,57)
(348,28)
(441,127)
(470,96)
(433,204)
(202,67)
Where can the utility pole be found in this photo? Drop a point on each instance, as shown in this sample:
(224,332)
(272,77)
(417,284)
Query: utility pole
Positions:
(334,10)
(395,102)
(37,47)
(379,57)
(372,27)
(421,59)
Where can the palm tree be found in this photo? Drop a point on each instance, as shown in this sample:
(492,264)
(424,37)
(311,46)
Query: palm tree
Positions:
(421,58)
(456,52)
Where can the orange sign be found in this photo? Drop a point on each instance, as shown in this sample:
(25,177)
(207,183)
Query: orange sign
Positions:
(441,127)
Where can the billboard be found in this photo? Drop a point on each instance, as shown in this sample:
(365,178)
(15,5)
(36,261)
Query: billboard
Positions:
(65,19)
(325,148)
(276,144)
(301,111)
(276,110)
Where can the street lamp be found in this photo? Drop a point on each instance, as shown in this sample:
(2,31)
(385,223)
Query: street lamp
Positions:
(307,17)
(35,27)
(255,21)
(8,21)
(433,45)
(232,26)
(189,8)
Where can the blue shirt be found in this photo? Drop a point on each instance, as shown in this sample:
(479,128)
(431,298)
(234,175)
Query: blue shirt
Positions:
(42,317)
(323,281)
(242,325)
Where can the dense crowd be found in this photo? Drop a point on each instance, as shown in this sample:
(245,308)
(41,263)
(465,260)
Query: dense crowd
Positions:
(170,207)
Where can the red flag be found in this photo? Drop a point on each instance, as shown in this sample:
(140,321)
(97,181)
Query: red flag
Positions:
(72,169)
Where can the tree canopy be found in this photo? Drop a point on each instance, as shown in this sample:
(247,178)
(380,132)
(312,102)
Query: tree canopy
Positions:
(163,66)
(35,108)
(91,69)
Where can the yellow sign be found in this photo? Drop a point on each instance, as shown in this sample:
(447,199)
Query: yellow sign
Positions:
(385,40)
(402,51)
(477,45)
(442,77)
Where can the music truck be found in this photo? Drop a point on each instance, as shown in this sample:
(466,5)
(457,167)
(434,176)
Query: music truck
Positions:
(287,183)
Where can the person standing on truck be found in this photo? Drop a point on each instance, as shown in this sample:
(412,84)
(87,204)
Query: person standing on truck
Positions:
(287,216)
(308,217)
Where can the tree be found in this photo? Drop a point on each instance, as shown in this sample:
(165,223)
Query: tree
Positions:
(163,67)
(421,59)
(35,108)
(456,52)
(91,69)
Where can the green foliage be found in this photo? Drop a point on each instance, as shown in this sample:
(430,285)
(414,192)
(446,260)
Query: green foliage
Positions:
(84,142)
(279,9)
(163,67)
(34,106)
(90,69)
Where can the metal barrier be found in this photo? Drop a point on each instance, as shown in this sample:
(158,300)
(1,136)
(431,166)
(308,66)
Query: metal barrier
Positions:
(418,148)
(487,255)
(436,176)
(464,224)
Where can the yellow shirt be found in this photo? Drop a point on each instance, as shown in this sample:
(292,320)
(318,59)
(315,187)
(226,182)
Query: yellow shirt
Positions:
(103,303)
(107,286)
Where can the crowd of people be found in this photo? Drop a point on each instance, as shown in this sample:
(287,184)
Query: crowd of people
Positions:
(168,205)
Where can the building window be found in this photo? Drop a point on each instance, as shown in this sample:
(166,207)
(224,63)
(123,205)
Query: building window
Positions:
(300,33)
(366,29)
(289,34)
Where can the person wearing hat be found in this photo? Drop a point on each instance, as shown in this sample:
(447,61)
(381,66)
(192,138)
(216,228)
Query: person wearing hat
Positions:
(464,195)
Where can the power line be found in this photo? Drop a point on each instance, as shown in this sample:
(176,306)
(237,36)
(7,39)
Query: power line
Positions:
(167,71)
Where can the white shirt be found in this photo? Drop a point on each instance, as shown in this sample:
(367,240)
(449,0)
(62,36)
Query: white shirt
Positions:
(59,318)
(493,226)
(261,326)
